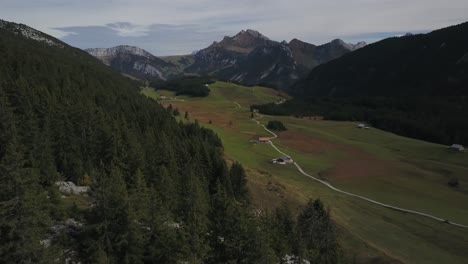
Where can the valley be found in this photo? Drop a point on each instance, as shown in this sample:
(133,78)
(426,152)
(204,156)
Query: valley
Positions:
(376,164)
(250,150)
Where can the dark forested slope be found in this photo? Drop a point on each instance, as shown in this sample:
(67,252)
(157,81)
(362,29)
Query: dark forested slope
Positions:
(416,86)
(413,65)
(160,190)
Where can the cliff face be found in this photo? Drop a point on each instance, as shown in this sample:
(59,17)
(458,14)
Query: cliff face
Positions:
(133,61)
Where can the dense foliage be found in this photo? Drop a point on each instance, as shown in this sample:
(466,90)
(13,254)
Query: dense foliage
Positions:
(415,86)
(161,191)
(276,125)
(190,85)
(441,121)
(434,64)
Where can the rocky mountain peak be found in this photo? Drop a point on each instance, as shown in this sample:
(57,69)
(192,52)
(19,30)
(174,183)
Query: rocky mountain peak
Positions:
(339,42)
(296,43)
(359,45)
(243,42)
(119,50)
(348,46)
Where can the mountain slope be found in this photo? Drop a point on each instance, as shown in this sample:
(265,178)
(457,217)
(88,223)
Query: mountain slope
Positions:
(159,191)
(251,58)
(425,64)
(416,86)
(30,33)
(133,61)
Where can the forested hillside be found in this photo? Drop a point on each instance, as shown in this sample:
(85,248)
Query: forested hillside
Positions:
(160,191)
(416,86)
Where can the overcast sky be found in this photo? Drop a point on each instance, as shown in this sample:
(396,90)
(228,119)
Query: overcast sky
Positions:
(182,26)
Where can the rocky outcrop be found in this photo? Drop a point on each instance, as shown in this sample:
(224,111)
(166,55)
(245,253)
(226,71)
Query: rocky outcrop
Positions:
(119,50)
(68,187)
(133,61)
(30,33)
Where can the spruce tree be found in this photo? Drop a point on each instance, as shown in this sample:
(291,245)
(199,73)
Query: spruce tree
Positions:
(239,182)
(317,234)
(23,215)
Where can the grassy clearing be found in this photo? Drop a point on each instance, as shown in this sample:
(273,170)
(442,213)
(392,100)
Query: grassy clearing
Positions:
(389,168)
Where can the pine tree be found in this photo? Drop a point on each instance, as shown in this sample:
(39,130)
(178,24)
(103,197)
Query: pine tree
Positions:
(194,209)
(112,214)
(23,219)
(239,182)
(139,215)
(317,234)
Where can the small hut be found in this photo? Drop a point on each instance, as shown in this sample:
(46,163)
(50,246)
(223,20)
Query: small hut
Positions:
(284,159)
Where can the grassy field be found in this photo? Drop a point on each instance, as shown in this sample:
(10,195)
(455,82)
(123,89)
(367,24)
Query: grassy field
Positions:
(391,169)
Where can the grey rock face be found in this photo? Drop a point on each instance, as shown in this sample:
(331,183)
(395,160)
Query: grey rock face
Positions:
(70,188)
(133,61)
(119,50)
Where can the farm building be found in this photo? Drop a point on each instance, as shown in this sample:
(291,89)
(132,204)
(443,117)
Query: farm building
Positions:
(263,140)
(363,126)
(457,147)
(283,160)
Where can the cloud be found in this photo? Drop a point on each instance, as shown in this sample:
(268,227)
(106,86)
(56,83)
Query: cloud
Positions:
(315,21)
(126,29)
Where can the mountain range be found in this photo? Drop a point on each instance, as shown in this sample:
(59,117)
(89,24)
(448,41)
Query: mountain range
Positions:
(249,58)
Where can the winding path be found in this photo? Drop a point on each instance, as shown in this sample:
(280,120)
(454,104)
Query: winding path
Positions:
(348,193)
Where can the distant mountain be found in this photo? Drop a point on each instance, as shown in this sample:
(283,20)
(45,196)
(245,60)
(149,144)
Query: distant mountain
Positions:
(251,58)
(310,56)
(133,61)
(423,64)
(177,64)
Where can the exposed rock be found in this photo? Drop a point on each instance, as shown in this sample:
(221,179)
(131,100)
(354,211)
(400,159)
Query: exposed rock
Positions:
(70,188)
(291,259)
(30,33)
(115,51)
(133,61)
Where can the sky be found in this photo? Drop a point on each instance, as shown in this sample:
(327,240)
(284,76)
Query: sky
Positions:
(175,27)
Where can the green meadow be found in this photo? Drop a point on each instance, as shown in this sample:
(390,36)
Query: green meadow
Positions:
(383,166)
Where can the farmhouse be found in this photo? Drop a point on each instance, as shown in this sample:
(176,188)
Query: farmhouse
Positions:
(282,160)
(263,140)
(457,147)
(363,126)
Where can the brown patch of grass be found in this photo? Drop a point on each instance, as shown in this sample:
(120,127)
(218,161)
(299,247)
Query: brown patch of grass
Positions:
(353,163)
